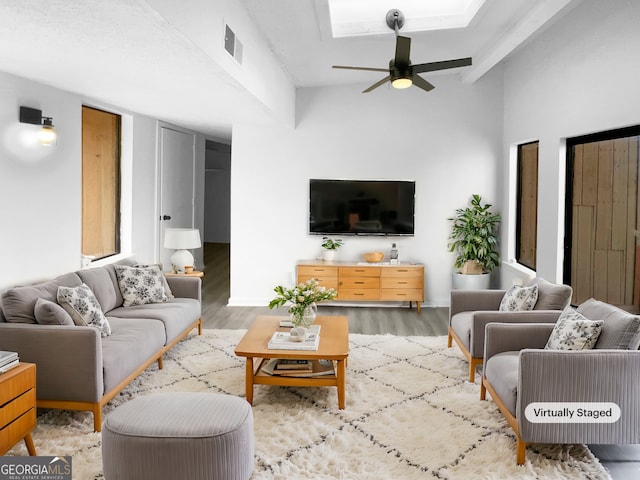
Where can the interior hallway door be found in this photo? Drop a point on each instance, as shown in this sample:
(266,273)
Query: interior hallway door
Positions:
(177,183)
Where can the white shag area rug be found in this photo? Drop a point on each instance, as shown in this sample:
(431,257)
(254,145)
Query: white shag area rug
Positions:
(410,415)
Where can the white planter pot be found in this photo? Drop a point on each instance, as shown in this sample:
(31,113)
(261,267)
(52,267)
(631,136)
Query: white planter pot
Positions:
(471,282)
(327,255)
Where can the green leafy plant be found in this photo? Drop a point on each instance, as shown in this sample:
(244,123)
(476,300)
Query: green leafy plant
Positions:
(331,244)
(300,297)
(474,235)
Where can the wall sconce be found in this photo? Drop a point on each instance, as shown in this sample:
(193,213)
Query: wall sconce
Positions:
(47,134)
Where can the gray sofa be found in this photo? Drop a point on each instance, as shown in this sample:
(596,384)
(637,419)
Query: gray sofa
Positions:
(77,367)
(519,373)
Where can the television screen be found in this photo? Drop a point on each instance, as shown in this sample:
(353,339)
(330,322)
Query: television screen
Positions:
(361,207)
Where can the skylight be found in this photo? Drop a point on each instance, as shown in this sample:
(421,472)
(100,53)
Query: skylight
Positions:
(367,17)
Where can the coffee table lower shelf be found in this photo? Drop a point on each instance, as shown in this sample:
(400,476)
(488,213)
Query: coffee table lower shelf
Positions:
(255,376)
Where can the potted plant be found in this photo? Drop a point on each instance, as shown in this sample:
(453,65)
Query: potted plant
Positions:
(474,240)
(330,246)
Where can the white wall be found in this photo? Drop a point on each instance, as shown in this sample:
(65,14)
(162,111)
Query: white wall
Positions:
(579,77)
(448,141)
(40,188)
(40,193)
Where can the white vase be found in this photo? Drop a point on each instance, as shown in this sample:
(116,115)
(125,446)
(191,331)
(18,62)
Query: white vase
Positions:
(327,255)
(471,282)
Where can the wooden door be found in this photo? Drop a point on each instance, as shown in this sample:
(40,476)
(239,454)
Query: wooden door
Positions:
(177,160)
(604,213)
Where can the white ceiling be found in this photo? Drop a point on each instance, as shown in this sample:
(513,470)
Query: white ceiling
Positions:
(123,53)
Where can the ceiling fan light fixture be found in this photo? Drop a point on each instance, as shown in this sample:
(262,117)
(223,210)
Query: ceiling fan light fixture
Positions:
(401,83)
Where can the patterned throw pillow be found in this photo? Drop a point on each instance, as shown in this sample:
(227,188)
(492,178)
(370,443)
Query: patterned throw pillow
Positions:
(140,285)
(83,306)
(165,284)
(574,331)
(519,298)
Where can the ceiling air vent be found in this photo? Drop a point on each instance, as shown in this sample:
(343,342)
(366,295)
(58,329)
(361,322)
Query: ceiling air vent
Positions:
(232,44)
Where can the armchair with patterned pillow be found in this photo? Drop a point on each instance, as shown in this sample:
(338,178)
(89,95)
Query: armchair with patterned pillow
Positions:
(471,310)
(577,381)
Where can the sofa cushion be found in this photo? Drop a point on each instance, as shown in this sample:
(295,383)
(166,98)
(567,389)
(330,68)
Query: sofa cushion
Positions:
(620,329)
(132,342)
(551,296)
(50,313)
(176,314)
(140,285)
(18,303)
(461,324)
(103,287)
(82,305)
(573,331)
(519,298)
(501,371)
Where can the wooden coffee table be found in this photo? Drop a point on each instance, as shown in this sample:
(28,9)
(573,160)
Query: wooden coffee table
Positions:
(334,345)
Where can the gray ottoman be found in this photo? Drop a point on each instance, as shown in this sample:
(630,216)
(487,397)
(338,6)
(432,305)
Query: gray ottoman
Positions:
(193,436)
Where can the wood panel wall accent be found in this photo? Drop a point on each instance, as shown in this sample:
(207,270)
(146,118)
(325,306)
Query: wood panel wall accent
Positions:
(605,218)
(100,182)
(527,222)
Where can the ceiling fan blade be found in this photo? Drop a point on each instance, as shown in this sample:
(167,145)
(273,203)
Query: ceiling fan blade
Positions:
(377,84)
(361,68)
(433,66)
(403,48)
(420,82)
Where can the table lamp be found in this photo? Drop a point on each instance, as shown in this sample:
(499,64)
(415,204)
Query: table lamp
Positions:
(181,239)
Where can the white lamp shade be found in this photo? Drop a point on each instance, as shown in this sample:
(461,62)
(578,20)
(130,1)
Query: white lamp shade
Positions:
(182,238)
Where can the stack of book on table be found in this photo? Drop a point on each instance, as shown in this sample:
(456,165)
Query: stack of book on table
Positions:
(8,360)
(282,340)
(298,368)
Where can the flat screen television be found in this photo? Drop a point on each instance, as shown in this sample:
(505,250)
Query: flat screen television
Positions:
(361,207)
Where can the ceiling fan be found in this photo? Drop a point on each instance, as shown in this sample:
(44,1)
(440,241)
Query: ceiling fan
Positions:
(402,74)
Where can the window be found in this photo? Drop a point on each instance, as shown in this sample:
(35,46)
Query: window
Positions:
(527,204)
(100,183)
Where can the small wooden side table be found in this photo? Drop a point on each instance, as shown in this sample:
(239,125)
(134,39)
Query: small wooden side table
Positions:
(18,407)
(195,273)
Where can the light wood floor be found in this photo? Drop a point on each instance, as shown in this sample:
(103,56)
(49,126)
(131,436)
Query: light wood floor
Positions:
(622,461)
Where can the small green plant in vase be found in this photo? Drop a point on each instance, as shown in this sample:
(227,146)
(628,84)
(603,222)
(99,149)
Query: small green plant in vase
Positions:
(330,246)
(302,299)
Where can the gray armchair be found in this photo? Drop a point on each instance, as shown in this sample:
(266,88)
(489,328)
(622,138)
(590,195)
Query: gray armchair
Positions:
(518,372)
(472,310)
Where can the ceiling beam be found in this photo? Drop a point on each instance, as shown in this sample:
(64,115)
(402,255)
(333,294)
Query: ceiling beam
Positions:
(538,17)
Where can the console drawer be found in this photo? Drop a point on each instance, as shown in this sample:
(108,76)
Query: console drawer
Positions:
(359,282)
(405,294)
(403,271)
(327,282)
(402,282)
(359,294)
(315,271)
(359,271)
